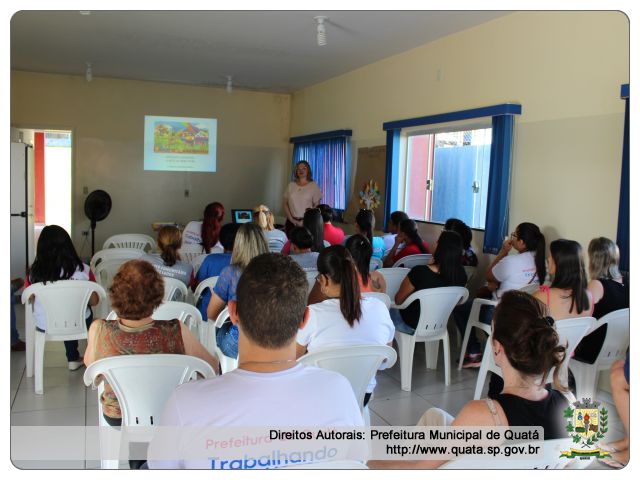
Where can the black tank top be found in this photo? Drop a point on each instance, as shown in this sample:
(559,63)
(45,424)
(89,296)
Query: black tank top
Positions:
(615,296)
(547,413)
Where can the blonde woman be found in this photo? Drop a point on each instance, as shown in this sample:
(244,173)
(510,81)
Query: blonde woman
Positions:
(249,243)
(168,263)
(263,217)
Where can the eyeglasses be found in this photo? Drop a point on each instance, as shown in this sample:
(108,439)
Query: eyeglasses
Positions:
(514,235)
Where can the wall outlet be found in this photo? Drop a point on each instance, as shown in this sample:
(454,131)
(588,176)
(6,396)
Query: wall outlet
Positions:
(85,233)
(186,193)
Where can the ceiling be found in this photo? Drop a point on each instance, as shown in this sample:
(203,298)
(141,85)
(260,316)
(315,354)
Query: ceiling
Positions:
(272,51)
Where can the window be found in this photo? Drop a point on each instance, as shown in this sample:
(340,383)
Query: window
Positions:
(329,155)
(454,164)
(447,175)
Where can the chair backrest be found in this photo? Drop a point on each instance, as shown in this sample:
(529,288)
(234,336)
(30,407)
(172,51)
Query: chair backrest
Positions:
(358,363)
(65,305)
(411,261)
(189,252)
(393,277)
(311,278)
(197,262)
(115,254)
(206,283)
(139,241)
(616,341)
(143,383)
(375,264)
(383,297)
(436,304)
(174,290)
(186,313)
(226,363)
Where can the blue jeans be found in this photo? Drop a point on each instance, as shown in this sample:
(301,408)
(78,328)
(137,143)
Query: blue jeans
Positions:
(71,346)
(227,339)
(15,338)
(398,322)
(461,316)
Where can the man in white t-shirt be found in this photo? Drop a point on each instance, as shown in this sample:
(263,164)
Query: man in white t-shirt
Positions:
(269,389)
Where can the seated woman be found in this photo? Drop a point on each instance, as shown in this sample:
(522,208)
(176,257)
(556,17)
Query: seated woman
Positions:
(332,234)
(301,243)
(136,291)
(57,259)
(506,272)
(364,225)
(206,232)
(469,257)
(345,318)
(215,262)
(609,290)
(445,270)
(263,217)
(312,221)
(526,348)
(168,262)
(567,297)
(361,252)
(249,243)
(410,238)
(393,227)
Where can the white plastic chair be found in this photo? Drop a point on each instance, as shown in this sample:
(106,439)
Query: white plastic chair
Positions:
(186,313)
(570,332)
(474,322)
(207,283)
(383,297)
(436,304)
(189,252)
(227,364)
(411,261)
(142,384)
(197,262)
(122,254)
(435,417)
(375,264)
(130,240)
(614,348)
(358,363)
(65,305)
(393,277)
(311,278)
(175,290)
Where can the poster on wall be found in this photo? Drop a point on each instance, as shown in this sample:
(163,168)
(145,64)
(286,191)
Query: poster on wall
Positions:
(180,144)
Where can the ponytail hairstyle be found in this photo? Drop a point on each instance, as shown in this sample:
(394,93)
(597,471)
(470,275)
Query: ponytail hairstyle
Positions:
(531,344)
(534,241)
(604,257)
(570,272)
(366,223)
(361,250)
(448,258)
(336,263)
(56,258)
(410,230)
(169,242)
(213,215)
(263,217)
(396,217)
(461,229)
(312,221)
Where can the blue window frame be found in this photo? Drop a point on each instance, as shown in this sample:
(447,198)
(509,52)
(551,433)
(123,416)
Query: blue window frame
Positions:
(500,118)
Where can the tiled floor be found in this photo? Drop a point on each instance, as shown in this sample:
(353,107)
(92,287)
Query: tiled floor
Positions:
(66,401)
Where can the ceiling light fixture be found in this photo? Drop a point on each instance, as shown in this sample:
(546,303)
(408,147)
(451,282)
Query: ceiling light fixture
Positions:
(88,74)
(321,35)
(229,84)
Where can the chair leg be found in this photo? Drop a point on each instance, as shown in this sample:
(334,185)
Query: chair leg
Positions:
(586,376)
(447,360)
(39,362)
(431,350)
(406,347)
(30,331)
(366,416)
(465,341)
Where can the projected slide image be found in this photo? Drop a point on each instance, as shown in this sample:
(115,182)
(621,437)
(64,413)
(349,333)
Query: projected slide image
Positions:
(180,144)
(180,137)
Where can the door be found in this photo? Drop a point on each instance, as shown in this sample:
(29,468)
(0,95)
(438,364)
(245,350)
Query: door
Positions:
(22,205)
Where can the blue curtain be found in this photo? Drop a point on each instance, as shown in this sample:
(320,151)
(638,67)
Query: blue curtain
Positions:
(497,222)
(330,162)
(623,208)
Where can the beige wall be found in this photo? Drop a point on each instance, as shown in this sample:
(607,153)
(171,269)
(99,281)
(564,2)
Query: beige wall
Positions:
(107,118)
(565,68)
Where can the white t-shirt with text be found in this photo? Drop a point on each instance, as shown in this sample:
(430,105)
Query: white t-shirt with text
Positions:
(515,271)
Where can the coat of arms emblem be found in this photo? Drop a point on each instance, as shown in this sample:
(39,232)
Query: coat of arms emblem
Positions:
(586,425)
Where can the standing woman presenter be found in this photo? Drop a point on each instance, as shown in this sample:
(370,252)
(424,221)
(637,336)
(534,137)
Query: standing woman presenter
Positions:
(302,193)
